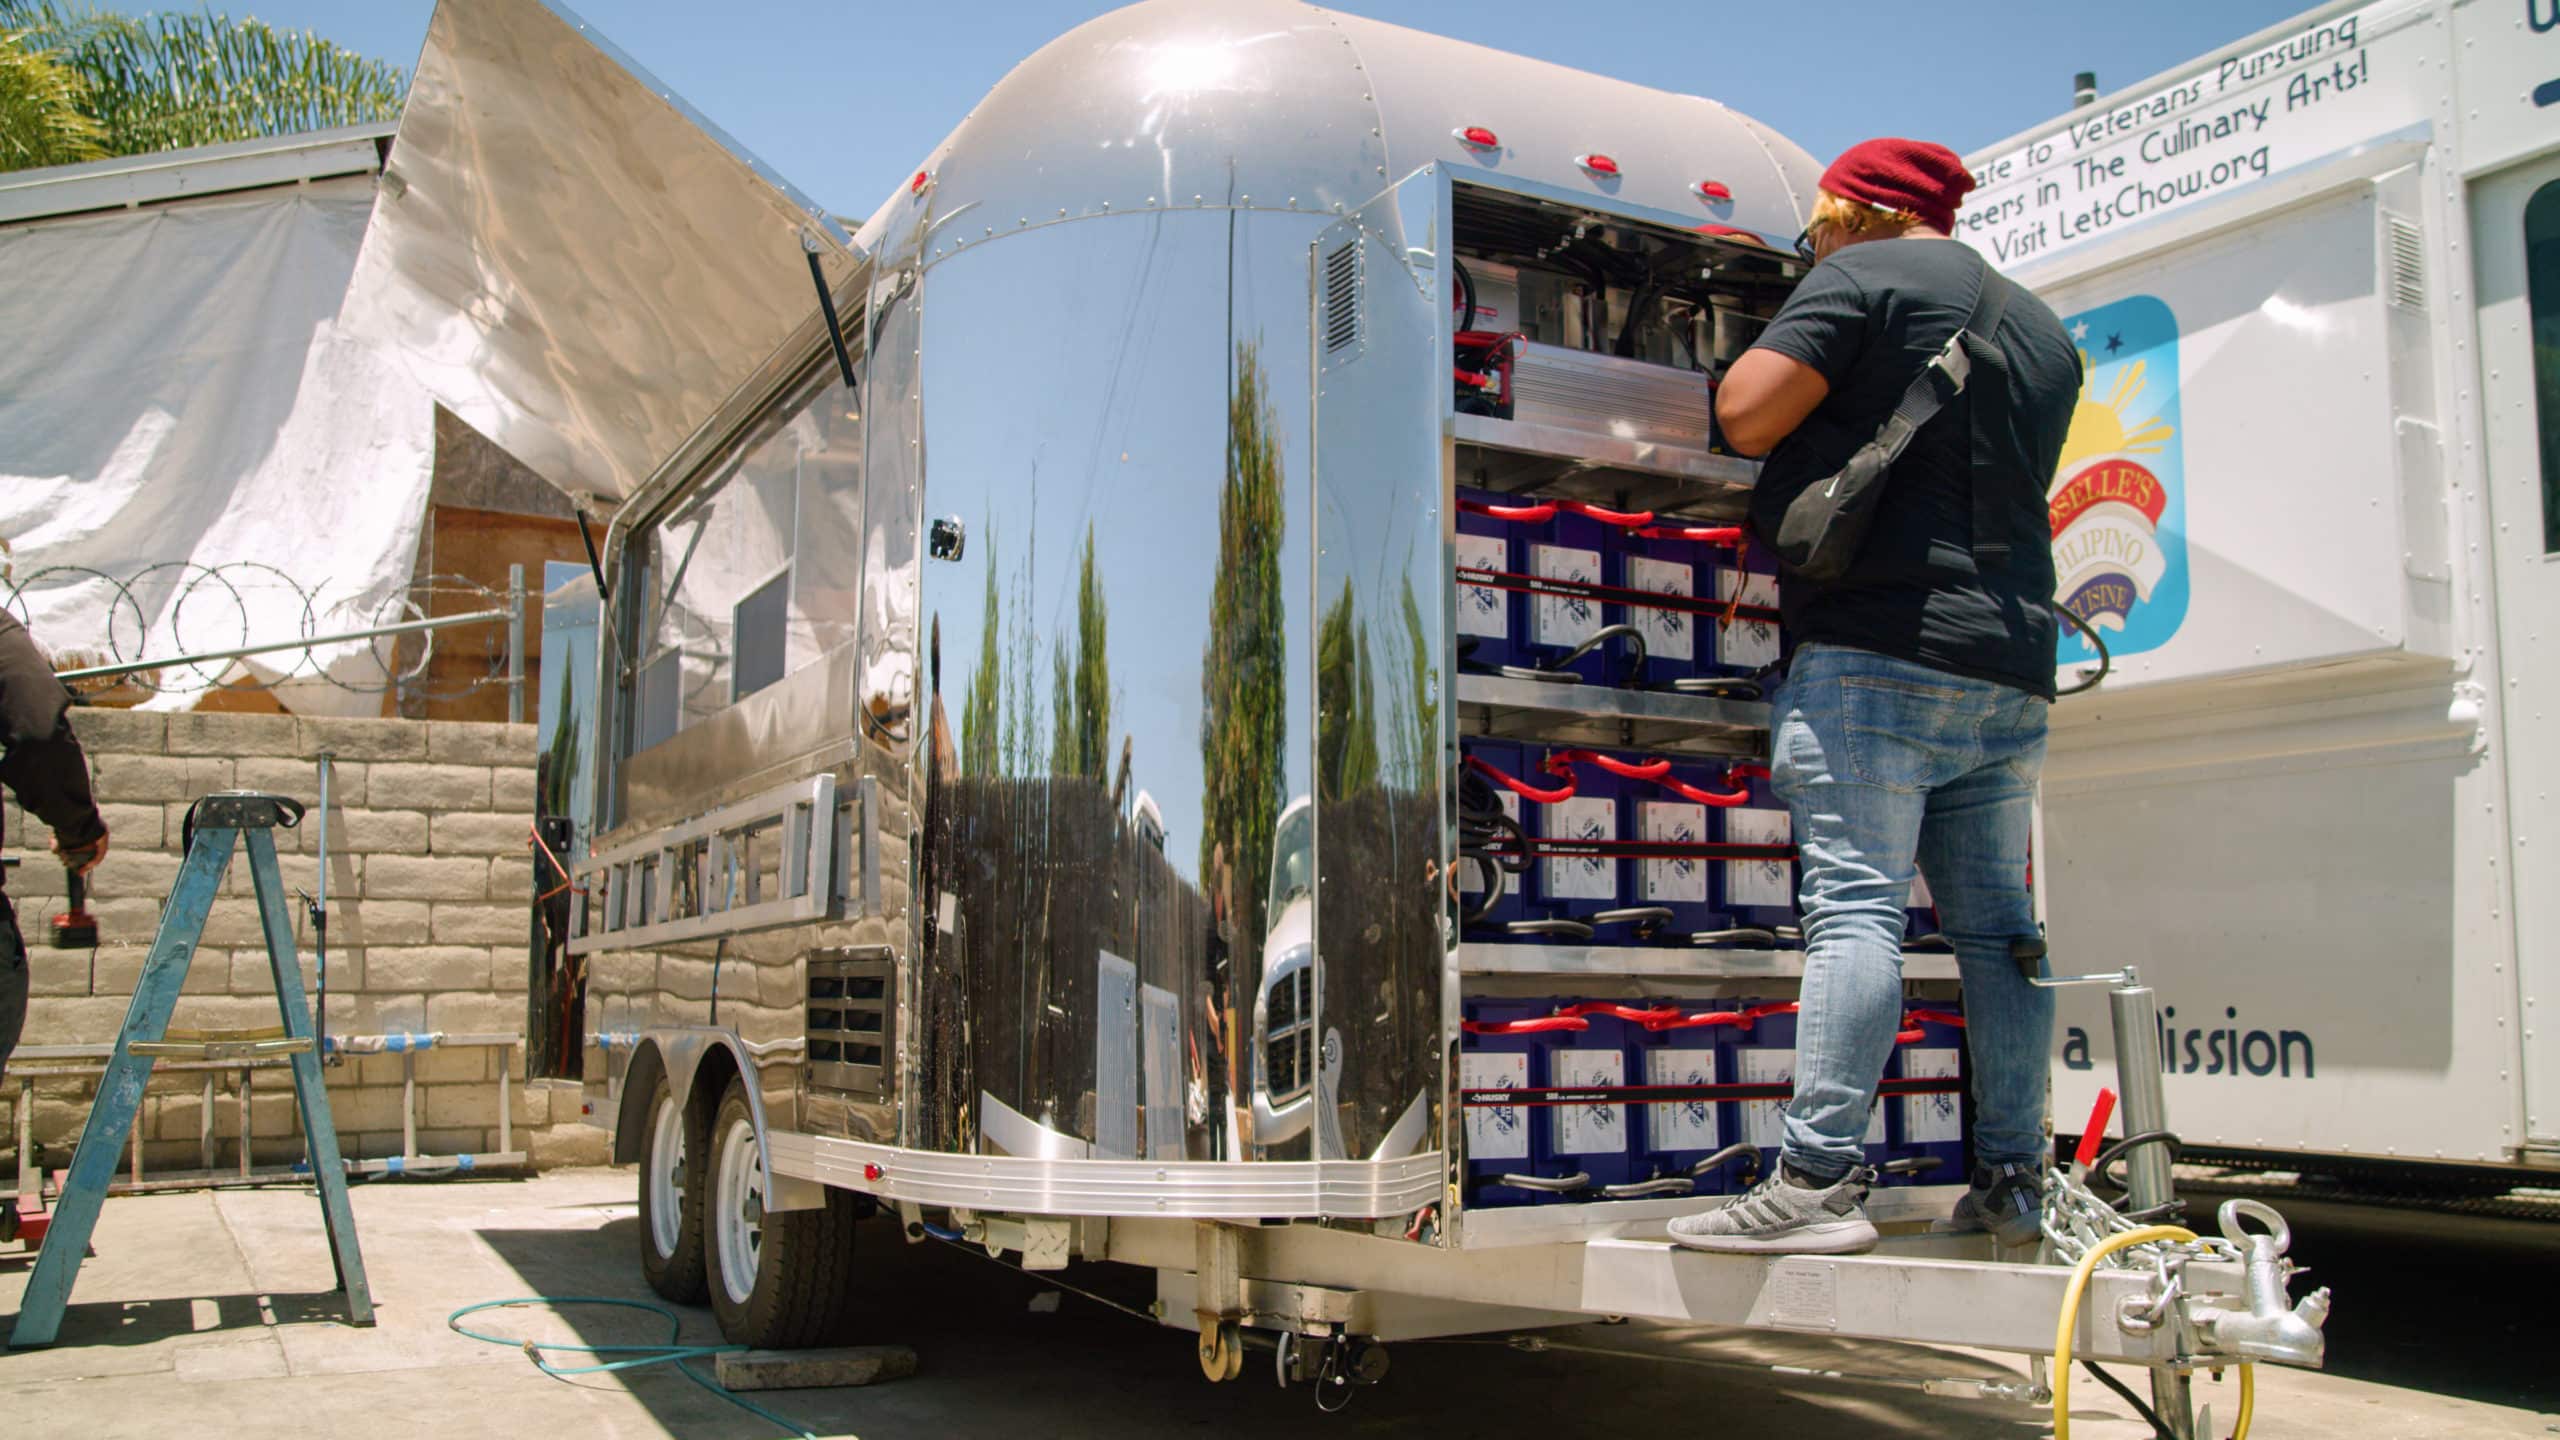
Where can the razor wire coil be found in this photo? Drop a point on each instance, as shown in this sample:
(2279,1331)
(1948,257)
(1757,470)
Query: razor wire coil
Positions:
(211,609)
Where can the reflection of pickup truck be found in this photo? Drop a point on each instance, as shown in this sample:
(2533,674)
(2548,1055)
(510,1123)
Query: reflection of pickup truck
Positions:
(1289,1066)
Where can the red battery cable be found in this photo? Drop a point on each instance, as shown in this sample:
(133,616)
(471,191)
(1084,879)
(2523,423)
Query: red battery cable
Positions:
(1531,1026)
(1547,510)
(1729,536)
(1524,789)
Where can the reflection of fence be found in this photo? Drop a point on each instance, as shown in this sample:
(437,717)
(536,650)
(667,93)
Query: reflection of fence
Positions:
(34,1063)
(205,613)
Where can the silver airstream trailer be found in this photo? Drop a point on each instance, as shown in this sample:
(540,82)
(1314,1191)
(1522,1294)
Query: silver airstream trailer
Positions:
(1023,748)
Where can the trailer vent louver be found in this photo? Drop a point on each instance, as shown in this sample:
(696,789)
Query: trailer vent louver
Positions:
(2408,258)
(1342,297)
(850,1021)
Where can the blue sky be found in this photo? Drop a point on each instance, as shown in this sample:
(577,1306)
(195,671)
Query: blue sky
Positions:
(844,99)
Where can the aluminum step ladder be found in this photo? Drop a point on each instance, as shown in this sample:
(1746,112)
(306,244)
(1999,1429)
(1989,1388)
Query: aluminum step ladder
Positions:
(216,823)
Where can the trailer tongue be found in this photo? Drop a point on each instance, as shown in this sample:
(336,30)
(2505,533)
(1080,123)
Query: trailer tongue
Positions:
(1318,425)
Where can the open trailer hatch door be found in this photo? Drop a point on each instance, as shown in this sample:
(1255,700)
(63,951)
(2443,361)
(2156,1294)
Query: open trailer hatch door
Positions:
(569,257)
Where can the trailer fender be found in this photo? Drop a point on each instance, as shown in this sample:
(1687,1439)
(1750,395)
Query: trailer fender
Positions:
(698,1064)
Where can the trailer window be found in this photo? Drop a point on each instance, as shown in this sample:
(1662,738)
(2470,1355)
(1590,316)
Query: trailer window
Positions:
(755,574)
(2542,288)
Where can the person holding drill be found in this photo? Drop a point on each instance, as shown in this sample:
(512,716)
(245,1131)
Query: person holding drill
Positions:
(41,763)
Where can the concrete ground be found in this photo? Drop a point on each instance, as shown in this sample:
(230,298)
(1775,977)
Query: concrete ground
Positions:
(209,1312)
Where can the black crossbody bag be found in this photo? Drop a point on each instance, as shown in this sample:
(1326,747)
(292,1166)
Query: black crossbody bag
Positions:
(1826,521)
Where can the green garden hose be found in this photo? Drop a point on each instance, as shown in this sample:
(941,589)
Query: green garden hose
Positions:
(669,1352)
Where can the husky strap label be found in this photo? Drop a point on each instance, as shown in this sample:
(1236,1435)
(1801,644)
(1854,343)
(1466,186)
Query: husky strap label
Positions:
(1495,1132)
(1483,610)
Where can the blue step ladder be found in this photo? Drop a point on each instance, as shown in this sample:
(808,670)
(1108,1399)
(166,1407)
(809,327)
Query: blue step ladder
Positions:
(216,824)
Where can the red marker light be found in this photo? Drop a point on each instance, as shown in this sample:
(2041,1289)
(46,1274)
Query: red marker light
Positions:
(872,1172)
(1713,190)
(1479,137)
(923,178)
(1597,164)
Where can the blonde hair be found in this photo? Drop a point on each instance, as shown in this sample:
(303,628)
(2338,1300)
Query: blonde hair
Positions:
(1856,217)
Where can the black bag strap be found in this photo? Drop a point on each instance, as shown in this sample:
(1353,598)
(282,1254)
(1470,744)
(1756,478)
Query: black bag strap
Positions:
(1988,413)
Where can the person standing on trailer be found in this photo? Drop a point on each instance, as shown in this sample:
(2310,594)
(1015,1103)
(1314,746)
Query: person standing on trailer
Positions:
(1910,726)
(42,764)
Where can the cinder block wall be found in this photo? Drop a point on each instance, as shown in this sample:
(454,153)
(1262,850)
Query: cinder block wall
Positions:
(429,883)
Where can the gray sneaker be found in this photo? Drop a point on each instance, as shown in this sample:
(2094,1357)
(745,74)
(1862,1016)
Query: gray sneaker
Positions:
(1780,1216)
(2007,1200)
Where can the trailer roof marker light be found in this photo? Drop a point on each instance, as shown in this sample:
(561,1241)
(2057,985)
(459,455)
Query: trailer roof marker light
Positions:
(1712,190)
(918,184)
(1476,137)
(1597,164)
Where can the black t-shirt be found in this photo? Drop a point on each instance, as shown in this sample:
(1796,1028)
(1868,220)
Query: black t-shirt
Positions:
(1868,318)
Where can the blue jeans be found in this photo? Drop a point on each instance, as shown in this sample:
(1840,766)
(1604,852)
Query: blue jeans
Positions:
(1883,762)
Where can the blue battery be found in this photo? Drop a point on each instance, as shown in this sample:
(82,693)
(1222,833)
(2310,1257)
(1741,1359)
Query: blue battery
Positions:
(1653,562)
(1755,893)
(1491,621)
(1498,1137)
(1575,886)
(1589,1138)
(1747,644)
(1926,1132)
(1569,552)
(1659,814)
(1673,1137)
(1766,1055)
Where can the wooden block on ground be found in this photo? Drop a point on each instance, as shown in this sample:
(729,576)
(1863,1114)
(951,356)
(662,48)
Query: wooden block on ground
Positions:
(814,1369)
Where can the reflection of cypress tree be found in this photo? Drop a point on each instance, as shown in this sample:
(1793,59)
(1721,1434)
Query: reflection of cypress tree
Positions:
(1080,691)
(563,767)
(1243,711)
(1346,703)
(981,743)
(1418,734)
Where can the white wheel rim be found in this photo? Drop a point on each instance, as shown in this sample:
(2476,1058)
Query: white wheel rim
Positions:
(666,1176)
(738,1209)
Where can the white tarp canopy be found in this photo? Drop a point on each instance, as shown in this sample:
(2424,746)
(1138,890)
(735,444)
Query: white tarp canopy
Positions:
(193,456)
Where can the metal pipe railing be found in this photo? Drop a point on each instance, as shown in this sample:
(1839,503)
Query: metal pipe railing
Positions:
(512,612)
(88,1061)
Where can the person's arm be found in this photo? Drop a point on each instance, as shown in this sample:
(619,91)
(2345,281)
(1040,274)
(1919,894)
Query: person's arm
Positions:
(42,762)
(1795,364)
(1764,397)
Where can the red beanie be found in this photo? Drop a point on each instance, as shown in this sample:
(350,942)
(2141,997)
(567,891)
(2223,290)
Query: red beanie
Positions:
(1914,175)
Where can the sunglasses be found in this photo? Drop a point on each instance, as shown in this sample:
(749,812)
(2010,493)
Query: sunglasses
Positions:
(1804,244)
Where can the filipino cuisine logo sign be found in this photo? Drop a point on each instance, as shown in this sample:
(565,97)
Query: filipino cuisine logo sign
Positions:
(2118,502)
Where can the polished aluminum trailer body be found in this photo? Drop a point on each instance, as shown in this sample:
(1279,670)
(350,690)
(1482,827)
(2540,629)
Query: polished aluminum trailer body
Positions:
(1022,747)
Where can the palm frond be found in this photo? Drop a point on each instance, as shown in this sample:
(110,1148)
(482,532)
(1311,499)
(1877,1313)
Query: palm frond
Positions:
(42,121)
(167,81)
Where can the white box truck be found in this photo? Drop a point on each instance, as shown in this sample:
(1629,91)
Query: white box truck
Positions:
(2312,500)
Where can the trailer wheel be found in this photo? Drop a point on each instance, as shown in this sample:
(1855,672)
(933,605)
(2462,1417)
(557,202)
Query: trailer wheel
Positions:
(779,1281)
(671,1201)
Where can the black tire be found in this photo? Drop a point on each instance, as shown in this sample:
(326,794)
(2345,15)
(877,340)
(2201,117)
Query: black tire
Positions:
(799,1291)
(673,1270)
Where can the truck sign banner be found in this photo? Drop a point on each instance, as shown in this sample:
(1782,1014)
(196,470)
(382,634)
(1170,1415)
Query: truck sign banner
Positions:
(2118,502)
(2226,122)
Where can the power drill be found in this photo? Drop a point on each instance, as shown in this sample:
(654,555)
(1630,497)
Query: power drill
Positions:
(75,928)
